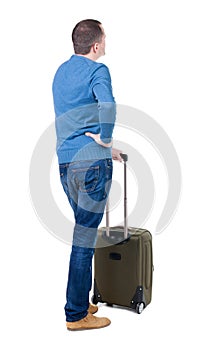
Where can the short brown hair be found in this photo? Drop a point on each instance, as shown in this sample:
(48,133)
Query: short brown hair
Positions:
(85,34)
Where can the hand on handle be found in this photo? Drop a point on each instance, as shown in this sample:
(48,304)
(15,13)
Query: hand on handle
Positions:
(116,154)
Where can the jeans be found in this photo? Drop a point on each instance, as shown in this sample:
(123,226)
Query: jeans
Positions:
(86,184)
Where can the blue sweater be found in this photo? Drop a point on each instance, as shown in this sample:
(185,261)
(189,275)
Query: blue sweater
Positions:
(83,102)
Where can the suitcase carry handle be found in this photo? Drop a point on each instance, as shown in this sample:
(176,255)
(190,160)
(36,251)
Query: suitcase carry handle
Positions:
(125,159)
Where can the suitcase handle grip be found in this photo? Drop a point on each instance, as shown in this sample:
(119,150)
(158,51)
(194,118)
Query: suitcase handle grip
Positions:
(125,159)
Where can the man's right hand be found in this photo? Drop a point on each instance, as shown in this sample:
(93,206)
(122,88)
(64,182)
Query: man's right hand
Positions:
(116,154)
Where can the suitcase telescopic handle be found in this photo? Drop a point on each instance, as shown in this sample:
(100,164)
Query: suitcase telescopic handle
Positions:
(125,159)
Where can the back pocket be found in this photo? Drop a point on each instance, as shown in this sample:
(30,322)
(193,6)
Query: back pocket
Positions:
(87,178)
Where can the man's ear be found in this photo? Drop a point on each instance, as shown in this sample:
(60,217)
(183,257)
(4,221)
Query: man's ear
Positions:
(95,47)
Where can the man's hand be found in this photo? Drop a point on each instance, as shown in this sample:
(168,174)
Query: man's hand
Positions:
(116,154)
(96,138)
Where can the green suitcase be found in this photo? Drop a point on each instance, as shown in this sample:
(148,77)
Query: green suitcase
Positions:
(123,263)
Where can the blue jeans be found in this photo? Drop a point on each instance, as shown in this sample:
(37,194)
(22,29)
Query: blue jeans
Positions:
(86,184)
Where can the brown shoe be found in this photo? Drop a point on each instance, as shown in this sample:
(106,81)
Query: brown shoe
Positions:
(92,309)
(88,322)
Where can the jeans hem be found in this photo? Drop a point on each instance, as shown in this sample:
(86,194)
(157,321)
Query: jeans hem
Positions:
(78,319)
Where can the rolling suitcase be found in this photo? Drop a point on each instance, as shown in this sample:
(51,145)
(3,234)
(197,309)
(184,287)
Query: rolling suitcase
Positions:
(123,264)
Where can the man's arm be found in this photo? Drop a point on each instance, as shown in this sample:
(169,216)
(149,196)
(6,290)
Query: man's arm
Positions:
(102,90)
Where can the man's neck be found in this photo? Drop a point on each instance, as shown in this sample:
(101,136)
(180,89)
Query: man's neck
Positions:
(90,55)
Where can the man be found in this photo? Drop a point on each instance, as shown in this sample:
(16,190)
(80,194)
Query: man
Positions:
(85,115)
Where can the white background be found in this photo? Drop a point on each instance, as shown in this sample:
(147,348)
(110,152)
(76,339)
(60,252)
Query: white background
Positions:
(159,56)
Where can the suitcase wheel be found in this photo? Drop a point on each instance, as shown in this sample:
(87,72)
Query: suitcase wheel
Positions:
(109,304)
(140,307)
(94,300)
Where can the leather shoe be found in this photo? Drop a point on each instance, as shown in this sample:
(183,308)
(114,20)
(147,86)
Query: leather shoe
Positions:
(92,309)
(88,322)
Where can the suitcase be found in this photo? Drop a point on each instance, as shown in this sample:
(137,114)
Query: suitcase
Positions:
(123,263)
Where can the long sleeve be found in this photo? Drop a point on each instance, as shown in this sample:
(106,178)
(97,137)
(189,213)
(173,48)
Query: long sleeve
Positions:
(102,90)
